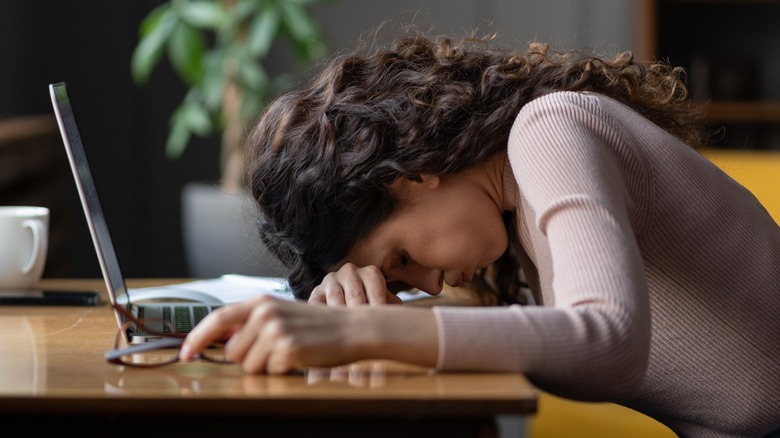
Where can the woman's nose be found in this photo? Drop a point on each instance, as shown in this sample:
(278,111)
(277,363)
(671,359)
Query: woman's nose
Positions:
(426,279)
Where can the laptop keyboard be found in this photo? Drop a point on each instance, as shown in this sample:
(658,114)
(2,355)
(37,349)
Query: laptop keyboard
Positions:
(180,319)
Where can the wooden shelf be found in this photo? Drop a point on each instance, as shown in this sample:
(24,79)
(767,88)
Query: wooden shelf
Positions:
(724,45)
(742,111)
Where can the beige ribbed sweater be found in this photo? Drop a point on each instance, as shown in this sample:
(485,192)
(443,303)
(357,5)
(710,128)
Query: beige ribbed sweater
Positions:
(659,274)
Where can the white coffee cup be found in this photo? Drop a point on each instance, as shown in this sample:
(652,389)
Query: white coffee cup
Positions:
(24,238)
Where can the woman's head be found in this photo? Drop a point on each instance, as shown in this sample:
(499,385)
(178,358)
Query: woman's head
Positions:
(321,160)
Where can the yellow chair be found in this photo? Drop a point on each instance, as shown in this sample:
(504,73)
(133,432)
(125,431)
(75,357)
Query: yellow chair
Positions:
(759,172)
(558,417)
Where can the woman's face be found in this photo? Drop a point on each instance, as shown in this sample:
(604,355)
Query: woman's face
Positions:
(443,231)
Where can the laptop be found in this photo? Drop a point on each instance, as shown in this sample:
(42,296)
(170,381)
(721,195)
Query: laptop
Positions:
(177,308)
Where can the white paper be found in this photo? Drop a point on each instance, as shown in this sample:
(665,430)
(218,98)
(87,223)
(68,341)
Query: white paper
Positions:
(231,288)
(226,289)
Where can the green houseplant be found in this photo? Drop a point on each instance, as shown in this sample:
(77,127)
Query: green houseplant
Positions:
(218,49)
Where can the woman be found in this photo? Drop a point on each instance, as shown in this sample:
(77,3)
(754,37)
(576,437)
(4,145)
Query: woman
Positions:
(656,276)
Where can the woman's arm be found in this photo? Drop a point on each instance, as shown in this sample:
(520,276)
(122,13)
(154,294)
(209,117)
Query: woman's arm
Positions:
(268,335)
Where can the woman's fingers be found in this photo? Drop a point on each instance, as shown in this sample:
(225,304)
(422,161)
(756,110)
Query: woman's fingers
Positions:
(217,326)
(284,357)
(346,286)
(268,334)
(329,292)
(353,286)
(254,348)
(391,298)
(267,340)
(318,296)
(374,285)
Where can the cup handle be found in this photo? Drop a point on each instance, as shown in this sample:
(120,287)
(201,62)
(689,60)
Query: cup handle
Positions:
(36,227)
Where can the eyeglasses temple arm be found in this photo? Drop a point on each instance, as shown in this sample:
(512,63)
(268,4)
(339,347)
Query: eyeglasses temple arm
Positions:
(146,346)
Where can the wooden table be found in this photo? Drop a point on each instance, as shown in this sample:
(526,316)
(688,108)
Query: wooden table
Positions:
(53,378)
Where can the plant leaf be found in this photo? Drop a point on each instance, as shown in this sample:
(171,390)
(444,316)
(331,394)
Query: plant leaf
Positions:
(149,49)
(152,19)
(252,75)
(244,9)
(185,49)
(204,14)
(179,134)
(198,118)
(191,117)
(298,21)
(263,31)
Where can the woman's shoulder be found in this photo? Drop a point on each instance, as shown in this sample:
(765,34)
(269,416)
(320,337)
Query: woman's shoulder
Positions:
(566,99)
(557,106)
(578,108)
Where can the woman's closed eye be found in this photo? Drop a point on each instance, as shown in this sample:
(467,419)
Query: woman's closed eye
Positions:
(394,269)
(398,286)
(403,259)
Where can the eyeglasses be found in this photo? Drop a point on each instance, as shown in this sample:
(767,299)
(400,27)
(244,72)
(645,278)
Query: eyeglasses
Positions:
(155,353)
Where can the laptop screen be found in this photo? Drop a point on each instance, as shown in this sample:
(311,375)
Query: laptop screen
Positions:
(98,228)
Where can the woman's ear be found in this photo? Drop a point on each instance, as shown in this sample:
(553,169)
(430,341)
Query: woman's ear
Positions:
(429,181)
(409,184)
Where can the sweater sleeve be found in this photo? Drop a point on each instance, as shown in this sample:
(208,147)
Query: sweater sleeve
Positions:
(593,344)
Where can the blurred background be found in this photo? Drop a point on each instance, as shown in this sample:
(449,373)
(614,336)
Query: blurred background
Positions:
(89,45)
(729,49)
(124,126)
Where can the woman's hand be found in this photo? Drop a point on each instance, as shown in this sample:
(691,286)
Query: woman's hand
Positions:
(269,335)
(353,286)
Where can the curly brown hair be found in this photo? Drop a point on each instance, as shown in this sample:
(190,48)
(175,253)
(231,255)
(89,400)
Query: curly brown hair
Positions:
(320,160)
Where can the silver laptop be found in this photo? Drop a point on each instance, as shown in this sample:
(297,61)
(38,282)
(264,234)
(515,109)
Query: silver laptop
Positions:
(167,313)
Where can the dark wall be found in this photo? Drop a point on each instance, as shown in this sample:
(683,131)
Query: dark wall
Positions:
(88,43)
